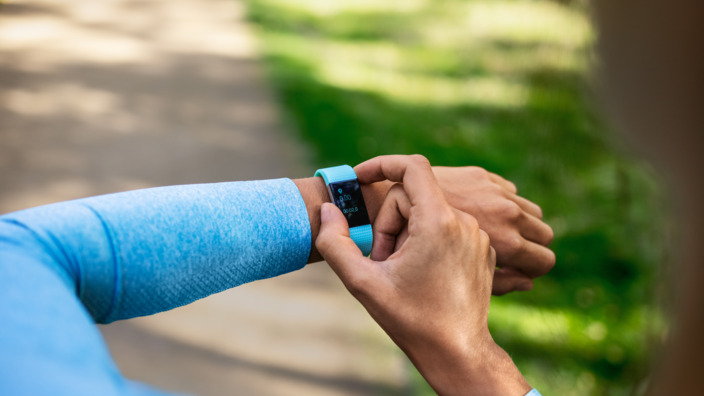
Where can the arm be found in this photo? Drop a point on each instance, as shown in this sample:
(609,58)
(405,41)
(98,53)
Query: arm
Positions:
(141,252)
(430,290)
(65,266)
(102,247)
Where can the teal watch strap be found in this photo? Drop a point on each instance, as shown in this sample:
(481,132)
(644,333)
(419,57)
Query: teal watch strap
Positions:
(363,238)
(345,194)
(336,174)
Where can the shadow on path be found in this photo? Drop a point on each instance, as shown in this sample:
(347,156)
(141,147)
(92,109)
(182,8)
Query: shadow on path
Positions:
(218,364)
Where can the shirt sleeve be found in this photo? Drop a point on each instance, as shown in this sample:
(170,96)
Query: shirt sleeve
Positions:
(65,266)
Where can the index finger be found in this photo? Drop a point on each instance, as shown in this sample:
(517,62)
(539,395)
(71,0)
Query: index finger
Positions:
(413,171)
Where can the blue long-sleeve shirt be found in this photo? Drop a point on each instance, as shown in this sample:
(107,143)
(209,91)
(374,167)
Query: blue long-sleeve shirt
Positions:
(66,266)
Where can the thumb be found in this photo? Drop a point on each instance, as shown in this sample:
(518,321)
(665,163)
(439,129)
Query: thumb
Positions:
(338,249)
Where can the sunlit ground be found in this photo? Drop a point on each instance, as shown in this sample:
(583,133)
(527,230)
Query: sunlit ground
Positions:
(504,85)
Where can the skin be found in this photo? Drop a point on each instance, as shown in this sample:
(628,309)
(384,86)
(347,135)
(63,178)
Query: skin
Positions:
(430,289)
(513,223)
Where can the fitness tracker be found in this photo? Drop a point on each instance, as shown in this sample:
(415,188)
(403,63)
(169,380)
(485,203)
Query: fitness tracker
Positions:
(345,193)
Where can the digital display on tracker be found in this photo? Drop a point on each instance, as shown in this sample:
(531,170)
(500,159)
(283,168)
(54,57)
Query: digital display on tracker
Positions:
(347,196)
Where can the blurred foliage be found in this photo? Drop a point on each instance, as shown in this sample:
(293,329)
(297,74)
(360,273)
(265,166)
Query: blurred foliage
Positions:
(504,85)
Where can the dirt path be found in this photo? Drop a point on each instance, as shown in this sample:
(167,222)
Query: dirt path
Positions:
(111,95)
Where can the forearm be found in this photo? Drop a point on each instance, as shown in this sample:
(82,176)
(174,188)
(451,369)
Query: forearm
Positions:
(67,265)
(146,251)
(485,370)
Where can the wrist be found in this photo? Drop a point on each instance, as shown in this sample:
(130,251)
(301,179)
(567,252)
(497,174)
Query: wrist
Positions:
(482,368)
(315,193)
(498,375)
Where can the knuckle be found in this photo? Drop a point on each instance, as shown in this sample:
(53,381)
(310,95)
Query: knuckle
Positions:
(497,195)
(484,239)
(550,235)
(447,222)
(492,258)
(478,172)
(471,227)
(550,261)
(511,210)
(539,212)
(546,264)
(515,244)
(420,160)
(483,236)
(471,222)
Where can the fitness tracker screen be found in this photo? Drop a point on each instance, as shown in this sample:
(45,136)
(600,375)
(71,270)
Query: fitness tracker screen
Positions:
(347,196)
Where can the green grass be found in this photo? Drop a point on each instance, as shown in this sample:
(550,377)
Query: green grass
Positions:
(504,85)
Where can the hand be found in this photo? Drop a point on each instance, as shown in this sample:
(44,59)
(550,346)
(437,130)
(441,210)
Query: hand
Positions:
(432,294)
(514,224)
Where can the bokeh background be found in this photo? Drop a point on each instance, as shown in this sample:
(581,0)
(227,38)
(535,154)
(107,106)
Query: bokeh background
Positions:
(110,95)
(507,85)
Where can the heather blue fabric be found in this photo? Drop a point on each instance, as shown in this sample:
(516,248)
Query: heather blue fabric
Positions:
(66,266)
